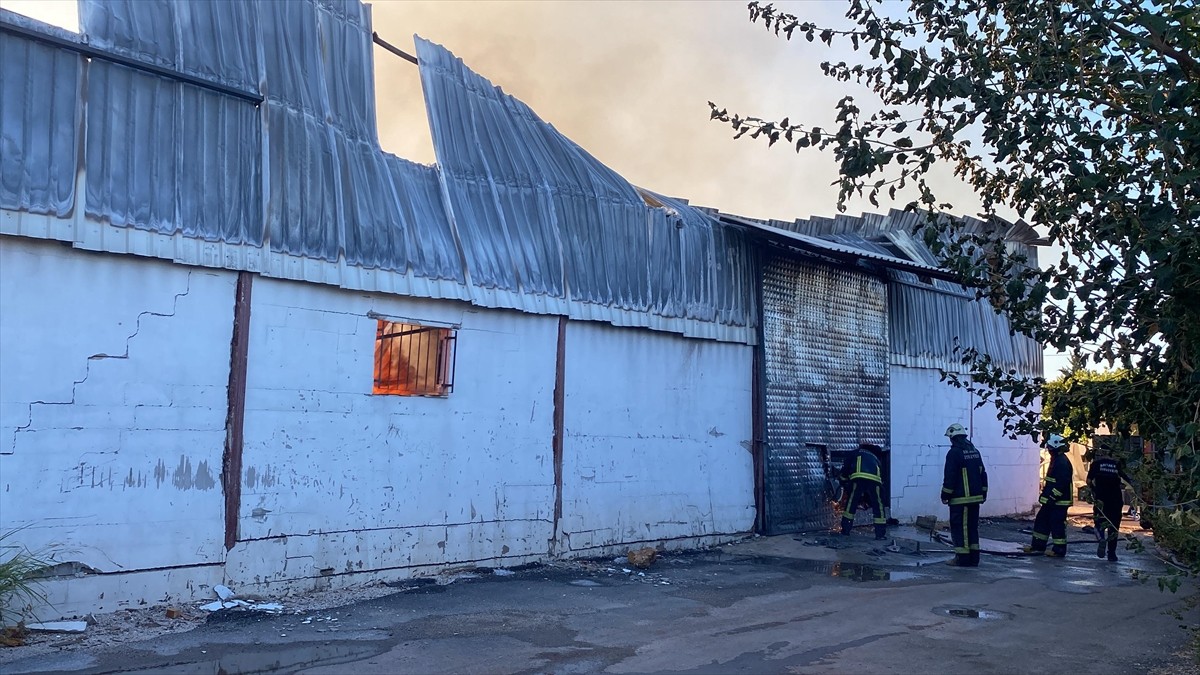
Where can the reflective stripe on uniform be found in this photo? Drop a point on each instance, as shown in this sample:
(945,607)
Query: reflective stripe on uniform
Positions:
(966,536)
(1039,535)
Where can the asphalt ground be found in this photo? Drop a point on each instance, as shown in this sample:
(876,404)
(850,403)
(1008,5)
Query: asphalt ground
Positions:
(808,603)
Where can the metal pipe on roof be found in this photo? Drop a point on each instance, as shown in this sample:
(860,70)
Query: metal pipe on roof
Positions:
(129,62)
(393,48)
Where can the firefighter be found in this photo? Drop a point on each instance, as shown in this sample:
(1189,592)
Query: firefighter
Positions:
(861,473)
(1050,525)
(964,488)
(1104,478)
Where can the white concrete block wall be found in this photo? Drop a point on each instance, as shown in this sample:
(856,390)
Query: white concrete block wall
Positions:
(922,408)
(113,373)
(338,482)
(657,440)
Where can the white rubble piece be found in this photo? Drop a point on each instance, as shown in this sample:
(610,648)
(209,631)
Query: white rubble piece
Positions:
(223,592)
(58,627)
(218,605)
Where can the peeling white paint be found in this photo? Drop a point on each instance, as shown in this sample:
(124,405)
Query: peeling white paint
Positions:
(335,478)
(641,459)
(112,411)
(116,429)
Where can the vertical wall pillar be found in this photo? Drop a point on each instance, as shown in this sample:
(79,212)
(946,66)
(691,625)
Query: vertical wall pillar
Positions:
(557,442)
(758,393)
(231,465)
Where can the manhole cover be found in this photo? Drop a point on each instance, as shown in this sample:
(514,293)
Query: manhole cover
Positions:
(971,613)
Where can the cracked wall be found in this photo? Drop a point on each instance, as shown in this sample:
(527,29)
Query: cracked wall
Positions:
(112,407)
(338,482)
(656,435)
(922,408)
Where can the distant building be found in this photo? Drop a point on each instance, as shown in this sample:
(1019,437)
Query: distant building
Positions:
(241,344)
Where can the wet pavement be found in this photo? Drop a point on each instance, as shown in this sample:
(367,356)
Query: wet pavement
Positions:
(795,604)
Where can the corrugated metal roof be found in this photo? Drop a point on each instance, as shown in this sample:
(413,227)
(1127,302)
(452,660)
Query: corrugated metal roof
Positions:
(515,215)
(931,317)
(860,249)
(303,191)
(39,132)
(537,214)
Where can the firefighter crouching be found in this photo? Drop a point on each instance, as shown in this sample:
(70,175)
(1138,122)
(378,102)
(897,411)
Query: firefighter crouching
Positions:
(964,488)
(861,472)
(1050,525)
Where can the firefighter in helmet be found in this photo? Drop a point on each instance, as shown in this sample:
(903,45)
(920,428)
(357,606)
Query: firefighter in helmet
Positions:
(1104,478)
(861,473)
(1050,525)
(964,488)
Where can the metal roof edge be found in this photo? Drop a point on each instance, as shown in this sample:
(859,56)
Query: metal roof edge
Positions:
(840,251)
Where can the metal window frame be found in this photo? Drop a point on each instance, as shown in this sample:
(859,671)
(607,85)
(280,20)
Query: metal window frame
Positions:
(441,369)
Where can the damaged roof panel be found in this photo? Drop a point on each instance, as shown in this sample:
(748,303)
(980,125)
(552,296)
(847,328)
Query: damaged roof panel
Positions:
(515,185)
(39,130)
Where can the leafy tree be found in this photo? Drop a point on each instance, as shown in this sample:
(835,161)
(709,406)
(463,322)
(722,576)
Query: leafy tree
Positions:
(1079,116)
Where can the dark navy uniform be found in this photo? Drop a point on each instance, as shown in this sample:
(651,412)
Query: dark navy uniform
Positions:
(964,488)
(861,470)
(1104,477)
(1050,525)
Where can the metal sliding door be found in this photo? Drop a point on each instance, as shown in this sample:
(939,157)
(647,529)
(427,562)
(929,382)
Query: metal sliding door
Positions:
(826,386)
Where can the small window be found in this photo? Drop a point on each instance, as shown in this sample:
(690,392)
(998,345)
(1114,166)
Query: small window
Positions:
(413,360)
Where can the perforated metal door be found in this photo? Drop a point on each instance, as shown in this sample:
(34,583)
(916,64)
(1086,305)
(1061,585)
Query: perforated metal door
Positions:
(826,353)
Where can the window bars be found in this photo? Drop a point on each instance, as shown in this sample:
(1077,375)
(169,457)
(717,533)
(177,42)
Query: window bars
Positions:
(413,360)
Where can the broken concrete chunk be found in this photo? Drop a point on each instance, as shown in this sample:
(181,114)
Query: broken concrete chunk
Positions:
(173,613)
(642,558)
(503,572)
(928,523)
(58,627)
(223,592)
(213,606)
(268,607)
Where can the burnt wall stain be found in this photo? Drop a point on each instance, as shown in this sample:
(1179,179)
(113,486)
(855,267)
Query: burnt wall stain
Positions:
(204,478)
(160,473)
(251,478)
(183,474)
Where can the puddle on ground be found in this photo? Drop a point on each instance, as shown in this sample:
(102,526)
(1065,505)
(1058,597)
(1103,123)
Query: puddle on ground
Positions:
(845,570)
(971,613)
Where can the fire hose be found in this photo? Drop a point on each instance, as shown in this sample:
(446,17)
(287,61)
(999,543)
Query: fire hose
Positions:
(943,538)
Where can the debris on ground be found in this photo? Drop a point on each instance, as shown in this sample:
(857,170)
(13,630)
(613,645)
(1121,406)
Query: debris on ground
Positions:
(173,613)
(642,558)
(834,543)
(13,636)
(227,599)
(928,523)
